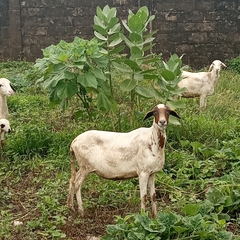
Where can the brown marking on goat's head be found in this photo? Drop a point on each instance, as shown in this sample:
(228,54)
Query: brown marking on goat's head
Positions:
(161,115)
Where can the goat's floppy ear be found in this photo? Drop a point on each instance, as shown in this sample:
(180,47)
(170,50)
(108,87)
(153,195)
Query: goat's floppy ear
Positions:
(210,68)
(149,114)
(175,114)
(13,88)
(223,65)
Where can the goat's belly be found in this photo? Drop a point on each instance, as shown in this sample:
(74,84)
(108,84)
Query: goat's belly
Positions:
(190,95)
(108,174)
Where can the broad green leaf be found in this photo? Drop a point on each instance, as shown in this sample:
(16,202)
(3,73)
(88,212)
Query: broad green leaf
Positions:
(168,75)
(114,29)
(59,67)
(52,82)
(112,23)
(100,14)
(100,36)
(150,76)
(128,85)
(157,95)
(122,67)
(167,219)
(194,222)
(90,80)
(103,102)
(100,30)
(146,222)
(63,57)
(117,50)
(66,89)
(144,92)
(216,196)
(176,104)
(99,22)
(191,209)
(135,24)
(136,53)
(135,37)
(98,73)
(174,120)
(104,86)
(144,13)
(102,61)
(69,75)
(132,64)
(196,146)
(224,235)
(150,46)
(128,43)
(126,26)
(180,229)
(115,42)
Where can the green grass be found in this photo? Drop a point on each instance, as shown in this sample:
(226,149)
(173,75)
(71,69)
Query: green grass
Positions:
(202,153)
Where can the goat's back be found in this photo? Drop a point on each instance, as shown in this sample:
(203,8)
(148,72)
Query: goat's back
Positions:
(116,155)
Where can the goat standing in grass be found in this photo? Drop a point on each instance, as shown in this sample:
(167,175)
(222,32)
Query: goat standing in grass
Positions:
(201,84)
(117,156)
(6,89)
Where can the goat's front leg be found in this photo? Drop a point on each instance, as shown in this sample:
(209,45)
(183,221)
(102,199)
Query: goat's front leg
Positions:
(203,101)
(152,192)
(143,181)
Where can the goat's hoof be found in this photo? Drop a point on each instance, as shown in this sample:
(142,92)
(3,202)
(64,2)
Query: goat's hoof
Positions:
(81,212)
(71,207)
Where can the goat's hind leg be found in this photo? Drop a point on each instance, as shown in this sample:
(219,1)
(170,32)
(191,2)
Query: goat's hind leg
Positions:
(80,177)
(71,193)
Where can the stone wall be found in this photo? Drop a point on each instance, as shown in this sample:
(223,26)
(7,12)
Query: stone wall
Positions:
(203,30)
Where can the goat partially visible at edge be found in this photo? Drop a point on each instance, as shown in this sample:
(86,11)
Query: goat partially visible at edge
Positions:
(4,127)
(117,156)
(201,84)
(6,89)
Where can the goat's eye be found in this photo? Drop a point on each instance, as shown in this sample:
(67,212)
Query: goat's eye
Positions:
(1,85)
(2,125)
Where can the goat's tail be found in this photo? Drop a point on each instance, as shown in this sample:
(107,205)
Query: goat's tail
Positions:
(71,190)
(73,169)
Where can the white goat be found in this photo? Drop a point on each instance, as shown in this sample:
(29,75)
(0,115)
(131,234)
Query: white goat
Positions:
(201,84)
(6,89)
(116,156)
(4,127)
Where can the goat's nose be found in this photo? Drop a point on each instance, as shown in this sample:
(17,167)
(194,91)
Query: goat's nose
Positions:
(163,122)
(9,130)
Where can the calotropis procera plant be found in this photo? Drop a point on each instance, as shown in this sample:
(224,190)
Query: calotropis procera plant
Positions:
(139,41)
(107,31)
(166,87)
(75,69)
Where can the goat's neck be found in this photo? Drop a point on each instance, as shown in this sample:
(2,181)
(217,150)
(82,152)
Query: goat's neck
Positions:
(214,76)
(159,136)
(3,107)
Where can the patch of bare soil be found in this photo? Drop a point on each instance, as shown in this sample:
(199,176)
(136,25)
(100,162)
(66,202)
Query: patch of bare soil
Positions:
(94,222)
